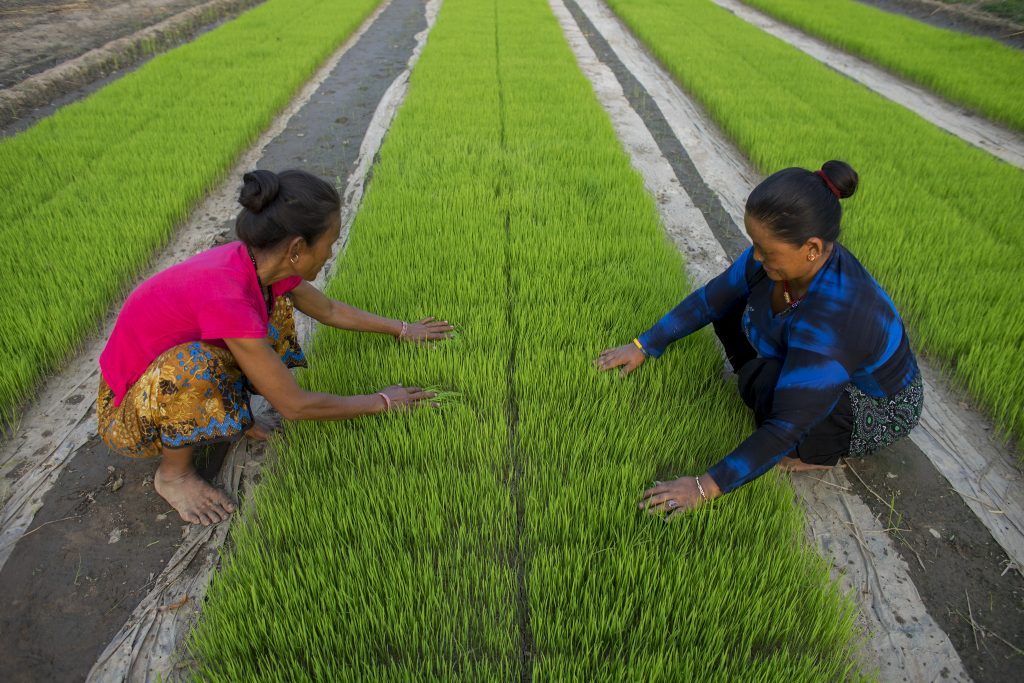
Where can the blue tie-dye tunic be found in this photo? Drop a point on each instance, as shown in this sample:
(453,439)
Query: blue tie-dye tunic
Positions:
(845,330)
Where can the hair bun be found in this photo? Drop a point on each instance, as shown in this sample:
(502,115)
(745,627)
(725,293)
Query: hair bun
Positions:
(842,176)
(259,189)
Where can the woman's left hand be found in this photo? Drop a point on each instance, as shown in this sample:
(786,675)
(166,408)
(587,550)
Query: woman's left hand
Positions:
(680,494)
(427,329)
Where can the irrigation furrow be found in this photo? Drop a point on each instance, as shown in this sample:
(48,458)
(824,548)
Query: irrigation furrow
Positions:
(837,523)
(993,138)
(515,454)
(718,220)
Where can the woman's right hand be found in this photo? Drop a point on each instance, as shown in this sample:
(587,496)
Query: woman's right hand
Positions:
(405,397)
(628,357)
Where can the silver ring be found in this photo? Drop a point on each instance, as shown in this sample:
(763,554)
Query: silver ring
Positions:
(672,505)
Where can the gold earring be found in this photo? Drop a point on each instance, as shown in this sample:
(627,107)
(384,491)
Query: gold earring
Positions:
(294,258)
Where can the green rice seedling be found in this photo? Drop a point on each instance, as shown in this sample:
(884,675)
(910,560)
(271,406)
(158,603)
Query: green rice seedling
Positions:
(935,220)
(91,191)
(500,539)
(443,397)
(980,73)
(597,595)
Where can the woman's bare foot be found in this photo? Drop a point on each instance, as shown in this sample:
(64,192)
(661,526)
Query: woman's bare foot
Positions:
(788,464)
(195,500)
(259,431)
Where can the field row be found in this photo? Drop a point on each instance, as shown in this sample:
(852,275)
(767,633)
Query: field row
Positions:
(498,536)
(935,220)
(980,73)
(91,191)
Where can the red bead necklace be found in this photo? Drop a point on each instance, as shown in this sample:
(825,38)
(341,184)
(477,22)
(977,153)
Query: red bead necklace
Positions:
(790,301)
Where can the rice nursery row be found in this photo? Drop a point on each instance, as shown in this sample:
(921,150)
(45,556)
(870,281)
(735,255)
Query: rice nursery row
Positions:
(497,537)
(935,220)
(91,191)
(980,73)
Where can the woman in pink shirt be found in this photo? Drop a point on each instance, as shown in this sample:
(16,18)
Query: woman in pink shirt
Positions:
(194,341)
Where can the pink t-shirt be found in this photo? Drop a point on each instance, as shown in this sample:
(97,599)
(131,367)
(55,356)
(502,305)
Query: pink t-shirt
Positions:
(210,297)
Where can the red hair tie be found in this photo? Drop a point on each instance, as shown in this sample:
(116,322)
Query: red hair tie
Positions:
(828,182)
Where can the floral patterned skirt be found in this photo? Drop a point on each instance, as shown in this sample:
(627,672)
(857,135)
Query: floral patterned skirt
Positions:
(879,422)
(193,393)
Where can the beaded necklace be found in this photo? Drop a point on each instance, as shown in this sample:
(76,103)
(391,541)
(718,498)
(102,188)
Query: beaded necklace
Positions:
(790,301)
(265,291)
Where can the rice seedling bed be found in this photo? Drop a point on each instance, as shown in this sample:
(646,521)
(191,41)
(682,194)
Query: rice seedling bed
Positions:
(92,190)
(497,537)
(934,219)
(980,73)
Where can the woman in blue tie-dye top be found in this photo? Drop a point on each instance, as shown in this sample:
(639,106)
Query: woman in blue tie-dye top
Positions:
(820,351)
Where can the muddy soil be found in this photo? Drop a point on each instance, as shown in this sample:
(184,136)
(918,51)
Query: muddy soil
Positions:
(956,17)
(101,537)
(962,574)
(37,35)
(67,589)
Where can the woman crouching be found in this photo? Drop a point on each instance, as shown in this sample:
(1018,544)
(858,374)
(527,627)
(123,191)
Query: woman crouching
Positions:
(820,351)
(193,342)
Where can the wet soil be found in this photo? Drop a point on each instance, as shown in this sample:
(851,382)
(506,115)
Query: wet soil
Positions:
(68,587)
(99,540)
(956,17)
(960,571)
(325,135)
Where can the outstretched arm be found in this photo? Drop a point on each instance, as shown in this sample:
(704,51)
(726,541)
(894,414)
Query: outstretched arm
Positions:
(316,305)
(701,307)
(695,311)
(271,378)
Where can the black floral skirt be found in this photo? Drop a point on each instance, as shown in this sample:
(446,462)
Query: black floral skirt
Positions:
(879,422)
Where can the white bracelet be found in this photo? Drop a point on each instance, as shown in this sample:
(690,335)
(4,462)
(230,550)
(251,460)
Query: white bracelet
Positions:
(387,401)
(405,330)
(701,489)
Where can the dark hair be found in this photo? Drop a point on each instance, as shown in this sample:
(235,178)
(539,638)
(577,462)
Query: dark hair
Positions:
(797,204)
(277,206)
